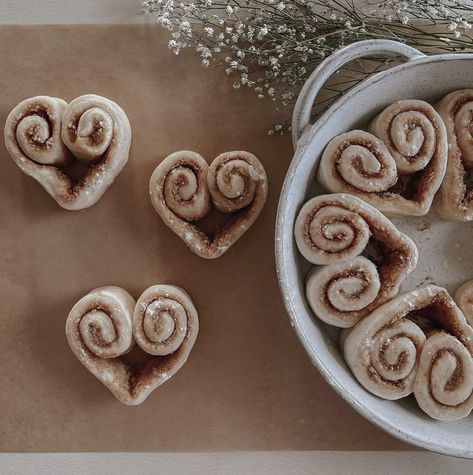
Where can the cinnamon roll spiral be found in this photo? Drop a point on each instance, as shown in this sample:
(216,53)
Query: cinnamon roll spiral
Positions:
(237,180)
(164,319)
(183,189)
(33,132)
(455,198)
(357,161)
(327,233)
(182,178)
(383,349)
(414,135)
(444,384)
(341,294)
(335,229)
(99,331)
(41,132)
(408,138)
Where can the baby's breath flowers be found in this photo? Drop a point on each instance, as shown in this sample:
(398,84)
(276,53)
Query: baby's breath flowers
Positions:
(271,46)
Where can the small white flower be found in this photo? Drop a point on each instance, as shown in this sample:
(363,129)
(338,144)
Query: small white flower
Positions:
(263,31)
(280,6)
(229,10)
(236,85)
(209,31)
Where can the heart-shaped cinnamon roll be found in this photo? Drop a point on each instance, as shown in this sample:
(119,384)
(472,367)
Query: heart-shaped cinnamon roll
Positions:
(183,189)
(398,169)
(455,198)
(104,325)
(47,137)
(417,342)
(333,230)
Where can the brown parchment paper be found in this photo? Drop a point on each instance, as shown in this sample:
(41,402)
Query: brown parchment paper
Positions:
(248,384)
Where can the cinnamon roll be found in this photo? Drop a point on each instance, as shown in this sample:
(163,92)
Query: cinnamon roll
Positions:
(444,384)
(455,198)
(99,331)
(383,349)
(408,138)
(183,189)
(165,324)
(335,229)
(45,134)
(104,325)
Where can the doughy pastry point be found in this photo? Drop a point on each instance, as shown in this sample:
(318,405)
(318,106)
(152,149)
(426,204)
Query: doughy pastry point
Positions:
(335,229)
(407,138)
(45,134)
(455,198)
(104,325)
(183,189)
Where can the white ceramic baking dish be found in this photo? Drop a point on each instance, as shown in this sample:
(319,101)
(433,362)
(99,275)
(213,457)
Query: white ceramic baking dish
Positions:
(445,255)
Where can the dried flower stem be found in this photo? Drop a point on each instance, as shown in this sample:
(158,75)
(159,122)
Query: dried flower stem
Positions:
(273,45)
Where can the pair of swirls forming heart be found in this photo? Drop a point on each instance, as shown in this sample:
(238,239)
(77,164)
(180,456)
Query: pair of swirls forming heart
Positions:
(397,167)
(420,342)
(106,323)
(183,189)
(46,135)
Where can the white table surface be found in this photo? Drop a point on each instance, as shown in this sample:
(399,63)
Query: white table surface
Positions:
(130,11)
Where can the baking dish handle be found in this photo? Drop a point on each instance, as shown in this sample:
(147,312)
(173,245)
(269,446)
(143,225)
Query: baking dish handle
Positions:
(301,117)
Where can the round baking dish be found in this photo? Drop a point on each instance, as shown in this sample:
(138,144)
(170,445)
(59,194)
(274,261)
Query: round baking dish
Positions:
(442,258)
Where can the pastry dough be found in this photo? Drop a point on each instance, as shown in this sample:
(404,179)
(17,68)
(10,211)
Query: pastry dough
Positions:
(333,230)
(408,138)
(41,132)
(104,325)
(183,189)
